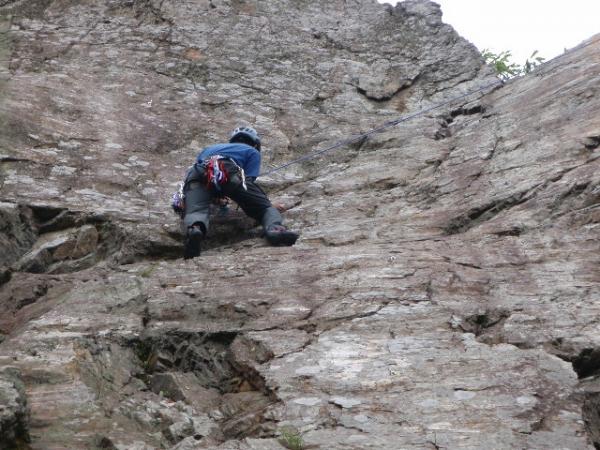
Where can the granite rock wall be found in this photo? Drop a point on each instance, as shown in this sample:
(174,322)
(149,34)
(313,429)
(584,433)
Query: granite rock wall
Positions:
(445,289)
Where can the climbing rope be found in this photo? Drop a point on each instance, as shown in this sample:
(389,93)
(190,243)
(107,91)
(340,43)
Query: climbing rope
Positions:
(379,129)
(393,123)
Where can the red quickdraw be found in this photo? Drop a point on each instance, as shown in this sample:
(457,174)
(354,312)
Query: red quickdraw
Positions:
(216,174)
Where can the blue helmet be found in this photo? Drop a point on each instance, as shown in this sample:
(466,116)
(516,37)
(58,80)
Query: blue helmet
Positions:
(247,132)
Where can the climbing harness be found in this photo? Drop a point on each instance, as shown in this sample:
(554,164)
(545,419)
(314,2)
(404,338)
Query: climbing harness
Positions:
(379,129)
(215,173)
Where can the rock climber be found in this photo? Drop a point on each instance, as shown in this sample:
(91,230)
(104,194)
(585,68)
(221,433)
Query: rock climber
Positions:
(230,170)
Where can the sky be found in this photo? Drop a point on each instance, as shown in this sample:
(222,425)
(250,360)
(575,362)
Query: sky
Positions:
(522,26)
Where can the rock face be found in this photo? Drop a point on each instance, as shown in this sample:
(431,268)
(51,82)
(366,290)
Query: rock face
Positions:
(445,290)
(14,413)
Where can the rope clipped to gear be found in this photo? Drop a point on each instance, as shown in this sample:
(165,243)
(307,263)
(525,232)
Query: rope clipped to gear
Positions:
(379,129)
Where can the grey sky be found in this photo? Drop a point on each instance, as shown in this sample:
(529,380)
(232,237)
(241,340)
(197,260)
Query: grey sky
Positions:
(523,26)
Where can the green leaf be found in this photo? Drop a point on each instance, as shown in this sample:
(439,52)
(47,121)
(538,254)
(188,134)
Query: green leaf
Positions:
(505,68)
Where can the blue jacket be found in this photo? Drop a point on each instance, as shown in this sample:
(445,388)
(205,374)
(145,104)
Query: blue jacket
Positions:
(245,156)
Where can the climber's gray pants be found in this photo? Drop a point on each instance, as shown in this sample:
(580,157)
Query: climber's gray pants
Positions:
(253,201)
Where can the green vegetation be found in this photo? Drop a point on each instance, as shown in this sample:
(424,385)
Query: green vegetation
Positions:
(291,439)
(148,271)
(505,68)
(147,355)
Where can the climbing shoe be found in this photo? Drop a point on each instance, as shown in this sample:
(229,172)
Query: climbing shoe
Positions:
(192,242)
(280,235)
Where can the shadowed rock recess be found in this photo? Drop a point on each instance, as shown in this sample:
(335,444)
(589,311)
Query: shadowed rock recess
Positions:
(445,290)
